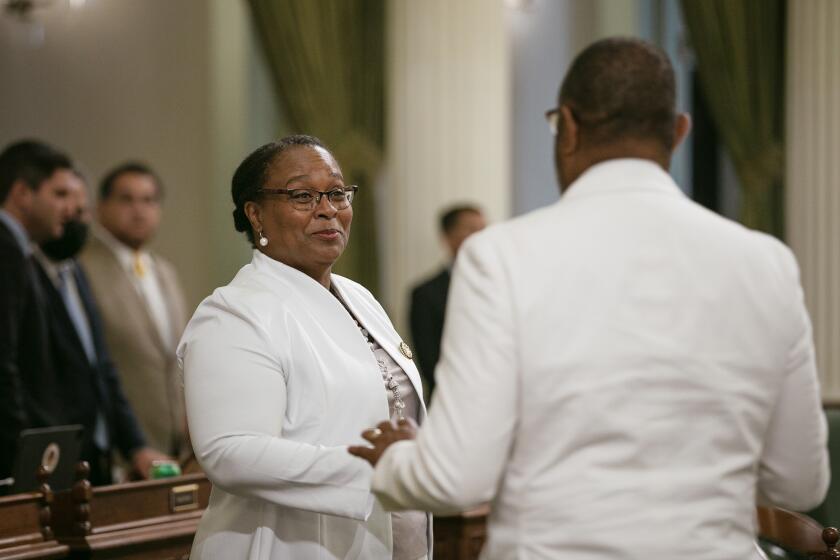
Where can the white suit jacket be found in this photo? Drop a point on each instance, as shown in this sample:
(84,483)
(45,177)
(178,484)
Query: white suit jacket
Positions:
(622,375)
(279,381)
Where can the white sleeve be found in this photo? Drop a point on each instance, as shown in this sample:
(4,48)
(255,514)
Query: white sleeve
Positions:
(459,455)
(236,401)
(793,472)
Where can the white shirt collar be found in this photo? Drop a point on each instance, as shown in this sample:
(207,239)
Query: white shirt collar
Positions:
(623,175)
(51,267)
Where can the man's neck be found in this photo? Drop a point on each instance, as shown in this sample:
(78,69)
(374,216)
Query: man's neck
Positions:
(115,241)
(636,149)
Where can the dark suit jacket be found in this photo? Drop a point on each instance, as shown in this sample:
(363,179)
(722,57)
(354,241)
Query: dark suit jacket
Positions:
(89,387)
(428,309)
(29,393)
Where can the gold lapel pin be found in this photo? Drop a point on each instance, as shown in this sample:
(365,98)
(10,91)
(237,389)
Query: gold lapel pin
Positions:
(406,351)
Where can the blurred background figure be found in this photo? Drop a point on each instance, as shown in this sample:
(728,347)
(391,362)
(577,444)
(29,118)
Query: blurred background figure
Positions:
(35,184)
(141,301)
(90,388)
(428,299)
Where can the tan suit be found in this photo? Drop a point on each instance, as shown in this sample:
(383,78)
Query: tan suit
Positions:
(146,363)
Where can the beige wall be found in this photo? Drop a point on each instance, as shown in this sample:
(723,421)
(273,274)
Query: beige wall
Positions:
(168,82)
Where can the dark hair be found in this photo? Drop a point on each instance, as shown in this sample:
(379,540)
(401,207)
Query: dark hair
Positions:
(622,88)
(250,176)
(30,161)
(106,186)
(449,217)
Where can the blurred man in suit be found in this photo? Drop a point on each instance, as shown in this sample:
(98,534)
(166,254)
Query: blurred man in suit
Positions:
(141,302)
(428,299)
(35,185)
(90,388)
(624,373)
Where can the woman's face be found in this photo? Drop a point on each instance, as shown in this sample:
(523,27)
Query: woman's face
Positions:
(308,240)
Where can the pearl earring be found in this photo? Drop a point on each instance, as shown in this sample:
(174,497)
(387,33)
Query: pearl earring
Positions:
(263,239)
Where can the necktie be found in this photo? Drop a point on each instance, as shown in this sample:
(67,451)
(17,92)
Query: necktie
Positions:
(139,267)
(79,320)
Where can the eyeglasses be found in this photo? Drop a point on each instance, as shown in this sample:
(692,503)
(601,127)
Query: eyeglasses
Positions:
(309,199)
(553,118)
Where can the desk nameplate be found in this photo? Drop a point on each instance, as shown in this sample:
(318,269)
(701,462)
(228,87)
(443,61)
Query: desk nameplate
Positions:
(183,498)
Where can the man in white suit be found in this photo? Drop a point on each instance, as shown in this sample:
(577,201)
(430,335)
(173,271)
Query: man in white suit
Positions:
(624,374)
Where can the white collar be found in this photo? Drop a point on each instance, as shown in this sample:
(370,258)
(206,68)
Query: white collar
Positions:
(621,176)
(51,267)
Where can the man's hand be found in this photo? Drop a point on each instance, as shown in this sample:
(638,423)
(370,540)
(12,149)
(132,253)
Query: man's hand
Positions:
(142,460)
(382,437)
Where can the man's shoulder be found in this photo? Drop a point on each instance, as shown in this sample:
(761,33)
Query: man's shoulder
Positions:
(9,247)
(10,253)
(163,263)
(95,252)
(432,284)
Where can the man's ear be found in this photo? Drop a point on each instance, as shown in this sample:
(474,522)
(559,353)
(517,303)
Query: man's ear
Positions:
(682,127)
(569,131)
(253,212)
(20,195)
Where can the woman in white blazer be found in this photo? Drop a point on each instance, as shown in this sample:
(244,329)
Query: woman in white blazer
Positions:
(284,367)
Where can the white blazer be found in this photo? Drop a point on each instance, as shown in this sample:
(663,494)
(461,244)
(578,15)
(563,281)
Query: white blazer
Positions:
(279,381)
(622,375)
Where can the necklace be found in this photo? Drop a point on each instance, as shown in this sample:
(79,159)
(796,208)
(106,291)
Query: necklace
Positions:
(387,378)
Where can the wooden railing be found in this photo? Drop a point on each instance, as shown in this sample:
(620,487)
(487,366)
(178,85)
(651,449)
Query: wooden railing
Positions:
(158,519)
(150,519)
(26,525)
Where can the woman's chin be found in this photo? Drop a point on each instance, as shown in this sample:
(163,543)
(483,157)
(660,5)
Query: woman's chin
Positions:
(330,253)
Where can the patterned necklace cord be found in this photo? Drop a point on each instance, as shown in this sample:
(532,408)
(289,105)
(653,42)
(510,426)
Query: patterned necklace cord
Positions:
(390,383)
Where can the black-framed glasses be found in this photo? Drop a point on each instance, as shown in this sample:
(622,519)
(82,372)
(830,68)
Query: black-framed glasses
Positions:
(308,199)
(553,118)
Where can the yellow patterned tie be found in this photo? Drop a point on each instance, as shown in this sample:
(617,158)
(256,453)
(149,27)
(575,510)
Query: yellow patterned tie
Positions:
(139,268)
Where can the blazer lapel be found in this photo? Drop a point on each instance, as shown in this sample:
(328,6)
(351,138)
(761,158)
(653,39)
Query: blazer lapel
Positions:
(175,308)
(386,337)
(134,302)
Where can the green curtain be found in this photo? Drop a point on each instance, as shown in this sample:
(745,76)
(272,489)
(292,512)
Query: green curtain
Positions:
(327,62)
(739,45)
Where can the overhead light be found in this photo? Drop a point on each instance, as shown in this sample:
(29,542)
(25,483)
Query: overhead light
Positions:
(522,5)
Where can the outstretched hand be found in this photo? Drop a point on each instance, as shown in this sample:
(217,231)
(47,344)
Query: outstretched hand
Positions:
(382,437)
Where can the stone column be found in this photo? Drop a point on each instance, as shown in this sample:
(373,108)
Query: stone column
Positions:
(448,135)
(813,171)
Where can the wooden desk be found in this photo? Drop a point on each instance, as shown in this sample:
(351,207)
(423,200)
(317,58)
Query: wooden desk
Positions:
(25,532)
(139,520)
(460,537)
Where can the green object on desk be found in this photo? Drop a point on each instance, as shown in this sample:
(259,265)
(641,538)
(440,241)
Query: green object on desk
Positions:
(165,469)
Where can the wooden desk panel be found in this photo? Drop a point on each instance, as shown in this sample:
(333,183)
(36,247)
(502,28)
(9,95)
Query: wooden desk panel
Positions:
(25,532)
(140,520)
